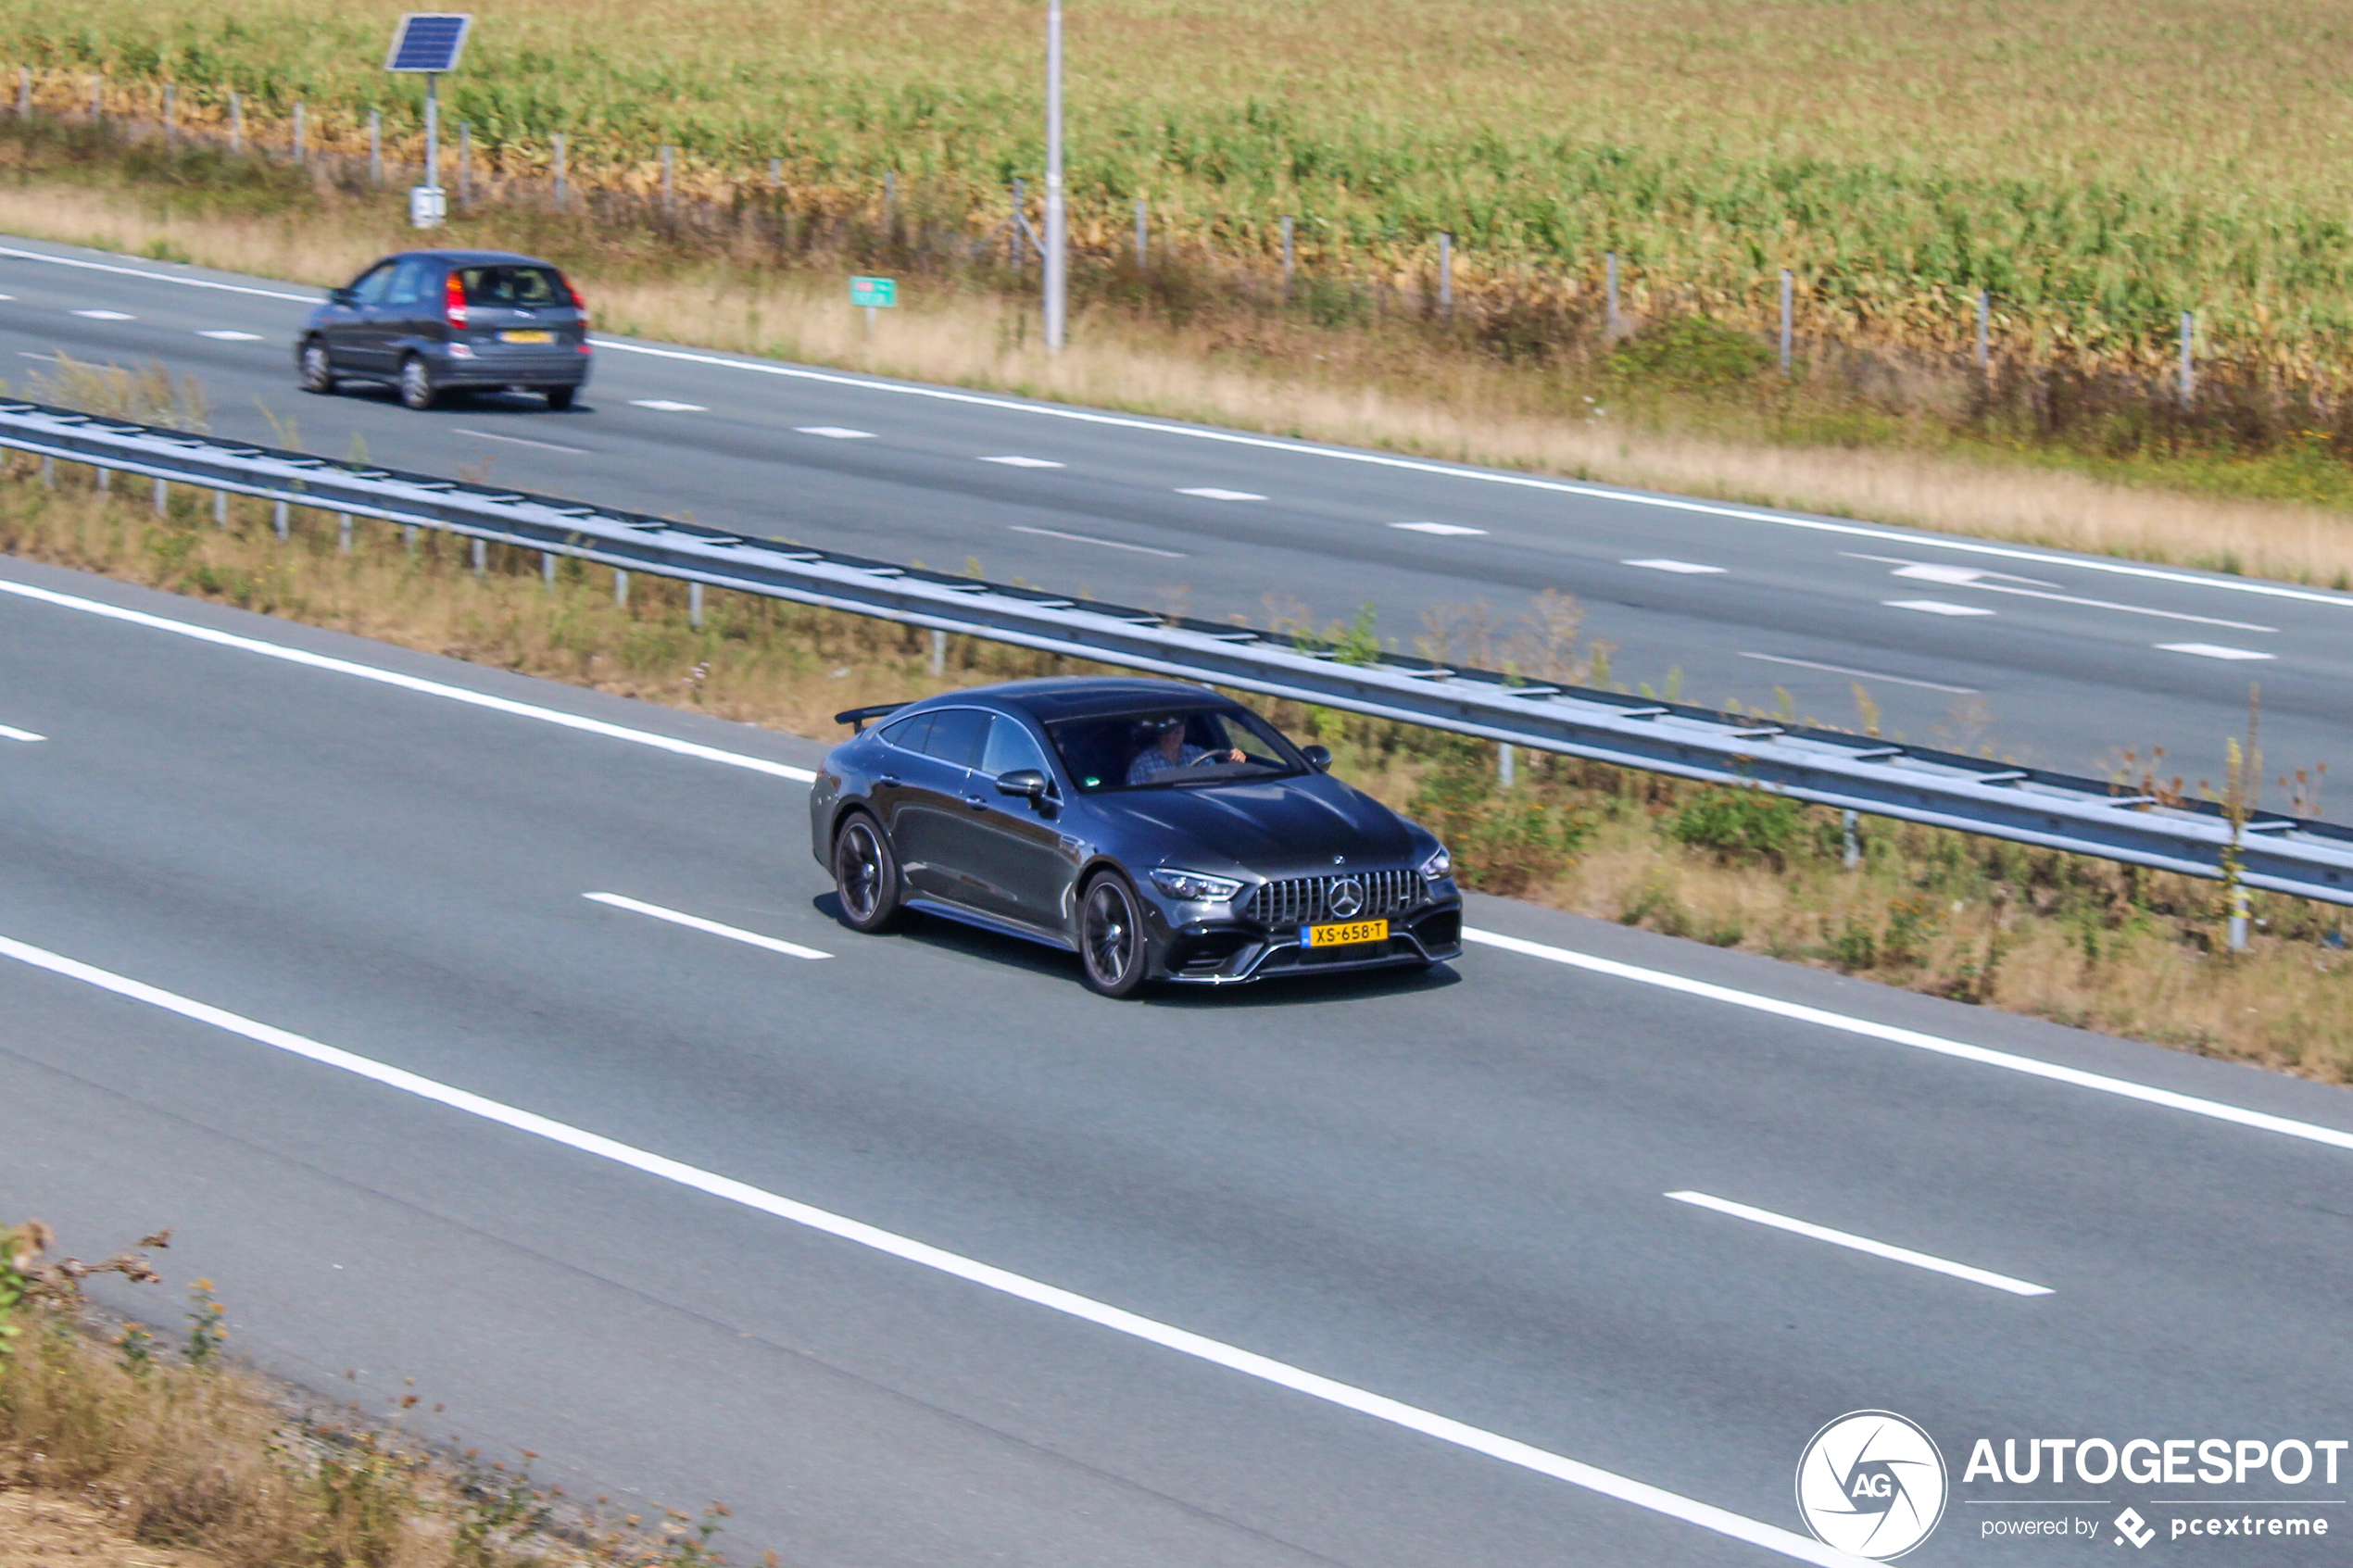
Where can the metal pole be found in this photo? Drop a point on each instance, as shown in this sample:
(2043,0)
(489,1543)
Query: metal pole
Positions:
(432,131)
(2189,371)
(669,174)
(621,590)
(1983,312)
(343,532)
(1446,275)
(548,567)
(278,521)
(939,651)
(163,499)
(375,146)
(220,507)
(560,170)
(105,477)
(1141,231)
(1287,262)
(1786,291)
(2238,917)
(694,606)
(1610,320)
(297,131)
(48,473)
(1506,770)
(1853,844)
(1057,261)
(481,557)
(237,123)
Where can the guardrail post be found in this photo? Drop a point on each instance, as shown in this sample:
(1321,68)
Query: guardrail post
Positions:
(412,538)
(548,567)
(1506,766)
(2238,917)
(297,131)
(163,499)
(170,129)
(375,146)
(48,473)
(97,104)
(24,92)
(105,476)
(1787,290)
(559,172)
(1609,323)
(669,176)
(694,606)
(939,651)
(1446,275)
(237,123)
(481,557)
(278,521)
(1286,257)
(343,532)
(1849,841)
(620,589)
(1142,231)
(220,509)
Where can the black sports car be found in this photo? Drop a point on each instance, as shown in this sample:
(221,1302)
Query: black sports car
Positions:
(1160,830)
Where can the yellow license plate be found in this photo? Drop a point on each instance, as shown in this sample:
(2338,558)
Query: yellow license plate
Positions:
(527,337)
(1341,935)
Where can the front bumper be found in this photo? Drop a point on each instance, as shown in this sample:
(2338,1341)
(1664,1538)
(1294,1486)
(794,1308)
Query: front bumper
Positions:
(1233,952)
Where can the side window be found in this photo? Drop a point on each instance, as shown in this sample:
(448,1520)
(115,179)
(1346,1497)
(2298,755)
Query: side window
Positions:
(370,289)
(956,735)
(413,283)
(908,734)
(1011,750)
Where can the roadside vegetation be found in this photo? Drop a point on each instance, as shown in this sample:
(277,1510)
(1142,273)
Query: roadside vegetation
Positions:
(1535,135)
(2079,941)
(130,1449)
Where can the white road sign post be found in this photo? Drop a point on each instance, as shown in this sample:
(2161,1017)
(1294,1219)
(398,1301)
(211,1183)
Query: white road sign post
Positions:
(427,44)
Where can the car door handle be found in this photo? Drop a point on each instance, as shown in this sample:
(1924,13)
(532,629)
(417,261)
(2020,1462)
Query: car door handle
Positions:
(978,802)
(890,779)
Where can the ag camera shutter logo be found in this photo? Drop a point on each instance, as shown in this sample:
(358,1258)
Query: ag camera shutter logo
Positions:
(1871,1483)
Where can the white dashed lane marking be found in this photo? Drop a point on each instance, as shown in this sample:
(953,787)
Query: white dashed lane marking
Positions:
(8,733)
(1090,539)
(1026,462)
(835,433)
(709,927)
(1444,530)
(228,335)
(107,315)
(2212,650)
(522,441)
(664,405)
(1210,493)
(1934,607)
(1690,568)
(1862,674)
(1932,1263)
(1974,577)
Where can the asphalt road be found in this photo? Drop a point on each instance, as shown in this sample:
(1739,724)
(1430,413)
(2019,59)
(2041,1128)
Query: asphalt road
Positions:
(1278,1276)
(2029,655)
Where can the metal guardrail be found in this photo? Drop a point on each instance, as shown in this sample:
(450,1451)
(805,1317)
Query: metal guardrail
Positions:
(2025,805)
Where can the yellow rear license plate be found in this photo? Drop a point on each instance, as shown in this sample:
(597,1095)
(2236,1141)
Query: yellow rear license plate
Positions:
(1342,935)
(527,337)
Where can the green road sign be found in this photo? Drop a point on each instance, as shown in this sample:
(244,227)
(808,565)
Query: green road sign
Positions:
(874,293)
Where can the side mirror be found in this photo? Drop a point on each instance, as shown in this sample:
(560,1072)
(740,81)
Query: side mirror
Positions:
(1318,757)
(1027,782)
(341,296)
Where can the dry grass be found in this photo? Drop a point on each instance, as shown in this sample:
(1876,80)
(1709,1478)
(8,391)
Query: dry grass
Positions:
(1284,378)
(2079,941)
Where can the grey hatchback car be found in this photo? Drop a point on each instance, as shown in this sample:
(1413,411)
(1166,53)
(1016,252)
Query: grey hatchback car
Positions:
(436,321)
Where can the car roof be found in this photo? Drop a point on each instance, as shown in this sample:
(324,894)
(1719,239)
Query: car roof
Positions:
(1081,696)
(510,257)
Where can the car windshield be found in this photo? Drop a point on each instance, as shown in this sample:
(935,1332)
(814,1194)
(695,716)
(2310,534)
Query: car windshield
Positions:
(1169,748)
(532,288)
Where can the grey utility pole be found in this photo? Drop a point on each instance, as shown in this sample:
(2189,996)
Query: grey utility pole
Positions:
(1057,262)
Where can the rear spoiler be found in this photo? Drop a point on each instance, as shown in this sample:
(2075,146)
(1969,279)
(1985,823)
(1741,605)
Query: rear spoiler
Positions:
(859,717)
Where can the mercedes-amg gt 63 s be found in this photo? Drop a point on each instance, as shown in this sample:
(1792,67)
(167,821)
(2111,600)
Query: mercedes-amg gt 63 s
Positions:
(1158,830)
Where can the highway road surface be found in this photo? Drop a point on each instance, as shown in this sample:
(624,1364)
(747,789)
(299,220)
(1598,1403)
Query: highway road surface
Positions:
(500,1036)
(2030,655)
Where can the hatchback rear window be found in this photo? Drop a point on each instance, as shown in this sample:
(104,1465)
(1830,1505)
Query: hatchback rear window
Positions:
(528,288)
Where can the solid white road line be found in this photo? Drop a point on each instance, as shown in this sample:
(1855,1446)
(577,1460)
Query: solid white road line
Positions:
(2212,650)
(696,923)
(1863,1243)
(665,406)
(1863,674)
(1691,567)
(1090,539)
(1054,1298)
(1026,462)
(411,682)
(1444,530)
(1970,577)
(1935,607)
(2312,1132)
(108,315)
(835,433)
(1484,476)
(184,282)
(1210,493)
(9,732)
(523,440)
(225,335)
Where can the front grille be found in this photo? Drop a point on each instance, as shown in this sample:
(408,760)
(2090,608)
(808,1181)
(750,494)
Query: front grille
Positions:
(1305,900)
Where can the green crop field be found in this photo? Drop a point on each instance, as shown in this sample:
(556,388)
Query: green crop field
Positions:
(2100,166)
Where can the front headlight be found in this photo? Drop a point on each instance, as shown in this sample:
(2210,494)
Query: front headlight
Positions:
(1194,887)
(1439,866)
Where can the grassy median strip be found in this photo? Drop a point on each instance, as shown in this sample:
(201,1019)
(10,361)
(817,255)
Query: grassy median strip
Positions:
(2081,941)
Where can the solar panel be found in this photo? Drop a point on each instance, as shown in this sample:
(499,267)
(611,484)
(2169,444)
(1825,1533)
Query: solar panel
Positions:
(428,40)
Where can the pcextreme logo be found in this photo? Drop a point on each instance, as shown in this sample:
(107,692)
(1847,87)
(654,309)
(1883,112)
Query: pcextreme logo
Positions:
(1871,1483)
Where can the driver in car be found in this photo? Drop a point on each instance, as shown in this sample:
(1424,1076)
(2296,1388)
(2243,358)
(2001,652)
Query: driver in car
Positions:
(1165,748)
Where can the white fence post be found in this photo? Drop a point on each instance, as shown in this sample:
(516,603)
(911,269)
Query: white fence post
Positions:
(2189,368)
(297,131)
(1141,231)
(1984,309)
(669,176)
(1787,289)
(375,146)
(237,122)
(1287,256)
(559,172)
(1609,323)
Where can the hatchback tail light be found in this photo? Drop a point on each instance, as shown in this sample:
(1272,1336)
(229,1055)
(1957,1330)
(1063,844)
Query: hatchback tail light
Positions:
(578,304)
(453,303)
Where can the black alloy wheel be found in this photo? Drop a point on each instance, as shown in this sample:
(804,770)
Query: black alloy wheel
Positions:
(417,390)
(559,397)
(1111,937)
(866,876)
(318,370)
